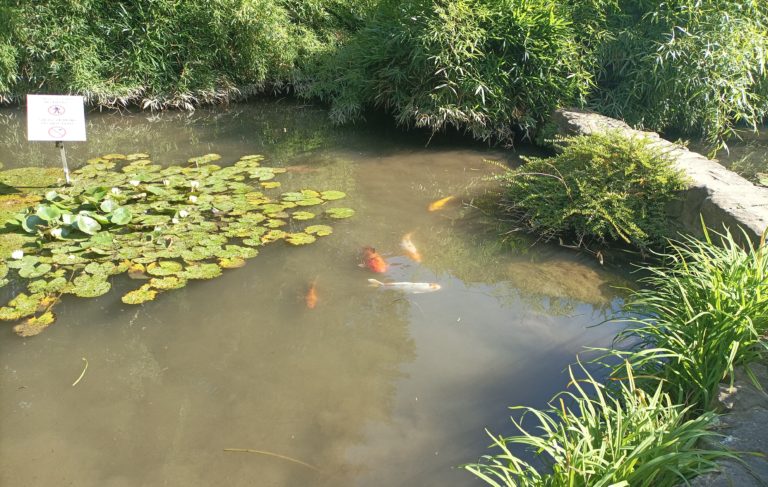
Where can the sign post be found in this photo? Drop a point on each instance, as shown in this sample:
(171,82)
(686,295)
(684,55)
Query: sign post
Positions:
(56,118)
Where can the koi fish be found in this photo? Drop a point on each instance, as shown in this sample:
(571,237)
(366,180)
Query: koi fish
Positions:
(373,261)
(311,298)
(409,248)
(410,287)
(439,204)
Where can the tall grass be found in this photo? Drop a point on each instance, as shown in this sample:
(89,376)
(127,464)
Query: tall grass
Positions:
(703,312)
(592,436)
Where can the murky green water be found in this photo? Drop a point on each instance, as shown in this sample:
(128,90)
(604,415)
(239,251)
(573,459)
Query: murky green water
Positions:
(370,388)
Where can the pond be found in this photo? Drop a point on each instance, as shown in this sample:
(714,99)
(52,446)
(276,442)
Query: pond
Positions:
(370,387)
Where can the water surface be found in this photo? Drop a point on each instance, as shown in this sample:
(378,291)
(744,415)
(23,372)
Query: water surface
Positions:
(370,388)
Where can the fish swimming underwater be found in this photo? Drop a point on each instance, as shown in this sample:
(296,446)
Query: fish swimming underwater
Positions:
(409,248)
(439,204)
(373,261)
(410,287)
(311,298)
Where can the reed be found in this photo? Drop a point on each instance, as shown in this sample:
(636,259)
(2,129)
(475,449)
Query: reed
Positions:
(595,436)
(703,311)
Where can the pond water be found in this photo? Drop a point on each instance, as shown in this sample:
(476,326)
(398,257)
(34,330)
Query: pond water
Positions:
(371,387)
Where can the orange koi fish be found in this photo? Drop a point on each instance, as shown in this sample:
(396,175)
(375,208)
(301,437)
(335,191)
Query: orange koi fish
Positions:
(311,298)
(373,261)
(409,248)
(439,204)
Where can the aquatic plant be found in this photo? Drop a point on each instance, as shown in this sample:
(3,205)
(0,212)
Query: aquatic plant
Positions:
(597,437)
(600,188)
(704,311)
(170,225)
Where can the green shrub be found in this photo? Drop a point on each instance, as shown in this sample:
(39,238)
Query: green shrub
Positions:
(485,66)
(686,65)
(704,311)
(591,437)
(602,187)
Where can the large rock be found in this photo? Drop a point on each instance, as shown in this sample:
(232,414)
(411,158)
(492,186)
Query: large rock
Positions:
(718,196)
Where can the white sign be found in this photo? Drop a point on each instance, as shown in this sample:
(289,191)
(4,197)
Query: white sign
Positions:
(55,118)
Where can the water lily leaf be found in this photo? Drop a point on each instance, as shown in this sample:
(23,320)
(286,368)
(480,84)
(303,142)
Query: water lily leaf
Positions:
(21,306)
(201,271)
(339,212)
(121,216)
(48,212)
(293,196)
(32,272)
(34,325)
(270,184)
(332,195)
(319,230)
(139,296)
(167,283)
(205,159)
(68,259)
(31,223)
(230,251)
(109,205)
(26,261)
(272,236)
(299,238)
(55,285)
(302,215)
(110,157)
(252,157)
(153,220)
(90,286)
(100,268)
(252,242)
(231,262)
(273,223)
(310,202)
(86,224)
(136,156)
(137,271)
(262,173)
(195,254)
(164,268)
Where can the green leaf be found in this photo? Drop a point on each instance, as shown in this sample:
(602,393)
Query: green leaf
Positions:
(121,216)
(319,230)
(109,205)
(86,224)
(339,212)
(48,212)
(302,215)
(332,195)
(31,223)
(142,295)
(90,286)
(299,238)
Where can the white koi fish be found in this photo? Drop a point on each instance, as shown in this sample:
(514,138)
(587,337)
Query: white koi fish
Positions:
(410,287)
(407,244)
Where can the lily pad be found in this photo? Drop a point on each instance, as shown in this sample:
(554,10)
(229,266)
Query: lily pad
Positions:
(319,230)
(34,325)
(90,286)
(231,262)
(310,202)
(207,158)
(270,184)
(139,296)
(167,283)
(201,271)
(302,215)
(21,306)
(164,268)
(332,195)
(299,238)
(339,213)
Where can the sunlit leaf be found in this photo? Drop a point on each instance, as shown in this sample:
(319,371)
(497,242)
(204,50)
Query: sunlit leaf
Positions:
(302,215)
(299,238)
(319,230)
(90,286)
(339,212)
(34,325)
(332,195)
(86,224)
(139,296)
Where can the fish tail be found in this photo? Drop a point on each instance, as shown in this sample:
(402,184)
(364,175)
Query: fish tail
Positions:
(375,283)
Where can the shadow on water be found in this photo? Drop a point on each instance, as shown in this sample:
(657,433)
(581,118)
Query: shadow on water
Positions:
(372,387)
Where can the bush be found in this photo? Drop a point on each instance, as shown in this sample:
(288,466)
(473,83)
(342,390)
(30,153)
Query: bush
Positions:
(705,311)
(485,66)
(692,66)
(591,437)
(601,188)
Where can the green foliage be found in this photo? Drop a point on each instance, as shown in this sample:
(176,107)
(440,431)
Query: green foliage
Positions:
(697,67)
(170,225)
(595,437)
(601,187)
(704,312)
(486,66)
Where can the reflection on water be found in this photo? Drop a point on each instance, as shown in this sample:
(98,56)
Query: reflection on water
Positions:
(372,387)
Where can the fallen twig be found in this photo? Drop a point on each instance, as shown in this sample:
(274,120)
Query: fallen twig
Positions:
(277,455)
(81,373)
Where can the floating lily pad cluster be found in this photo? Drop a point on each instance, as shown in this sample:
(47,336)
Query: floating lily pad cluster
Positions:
(166,226)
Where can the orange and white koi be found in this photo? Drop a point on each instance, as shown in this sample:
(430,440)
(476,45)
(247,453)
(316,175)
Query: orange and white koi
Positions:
(311,298)
(439,204)
(409,287)
(407,244)
(373,261)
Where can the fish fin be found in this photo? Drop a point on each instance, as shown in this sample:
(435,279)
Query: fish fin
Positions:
(375,283)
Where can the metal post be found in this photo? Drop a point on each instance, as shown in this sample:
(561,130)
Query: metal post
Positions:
(62,152)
